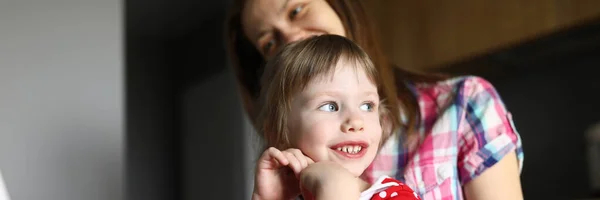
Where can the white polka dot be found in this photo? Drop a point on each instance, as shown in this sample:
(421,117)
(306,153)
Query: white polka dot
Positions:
(394,194)
(382,194)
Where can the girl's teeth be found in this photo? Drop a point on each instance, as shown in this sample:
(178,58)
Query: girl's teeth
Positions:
(350,149)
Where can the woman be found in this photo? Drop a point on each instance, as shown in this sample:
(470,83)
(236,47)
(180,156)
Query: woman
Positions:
(455,138)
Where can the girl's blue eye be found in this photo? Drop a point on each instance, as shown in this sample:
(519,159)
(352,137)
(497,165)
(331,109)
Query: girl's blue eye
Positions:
(329,107)
(367,107)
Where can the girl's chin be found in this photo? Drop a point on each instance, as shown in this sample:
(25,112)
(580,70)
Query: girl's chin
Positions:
(355,170)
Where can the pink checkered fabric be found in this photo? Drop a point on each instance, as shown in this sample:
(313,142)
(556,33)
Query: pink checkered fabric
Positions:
(465,130)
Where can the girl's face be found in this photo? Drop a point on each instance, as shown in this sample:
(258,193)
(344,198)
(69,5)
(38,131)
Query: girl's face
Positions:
(336,118)
(270,24)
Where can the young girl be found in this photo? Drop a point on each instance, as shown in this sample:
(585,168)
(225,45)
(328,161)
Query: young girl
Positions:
(321,104)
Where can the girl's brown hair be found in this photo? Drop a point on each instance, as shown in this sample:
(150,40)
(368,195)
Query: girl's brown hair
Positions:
(248,62)
(291,70)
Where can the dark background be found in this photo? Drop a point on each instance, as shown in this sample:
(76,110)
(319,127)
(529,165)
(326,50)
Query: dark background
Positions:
(185,127)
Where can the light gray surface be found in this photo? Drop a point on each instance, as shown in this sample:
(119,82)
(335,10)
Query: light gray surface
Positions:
(61,99)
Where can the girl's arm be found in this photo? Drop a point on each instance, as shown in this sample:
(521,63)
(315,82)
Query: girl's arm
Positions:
(500,181)
(338,190)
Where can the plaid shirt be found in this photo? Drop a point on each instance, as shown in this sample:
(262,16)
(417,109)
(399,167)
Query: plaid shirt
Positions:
(465,129)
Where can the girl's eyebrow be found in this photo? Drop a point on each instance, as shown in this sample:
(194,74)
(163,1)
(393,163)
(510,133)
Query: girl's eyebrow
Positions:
(337,93)
(326,93)
(370,93)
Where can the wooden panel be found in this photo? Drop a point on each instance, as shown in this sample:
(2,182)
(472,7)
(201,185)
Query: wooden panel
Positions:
(428,34)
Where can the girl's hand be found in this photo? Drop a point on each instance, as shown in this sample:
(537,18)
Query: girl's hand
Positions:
(330,180)
(277,174)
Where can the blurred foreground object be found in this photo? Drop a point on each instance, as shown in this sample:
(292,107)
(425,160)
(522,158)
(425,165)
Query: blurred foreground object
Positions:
(3,192)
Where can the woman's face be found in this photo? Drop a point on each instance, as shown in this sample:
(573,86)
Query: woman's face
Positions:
(270,24)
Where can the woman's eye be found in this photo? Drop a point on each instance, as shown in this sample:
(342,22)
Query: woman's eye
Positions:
(329,107)
(268,46)
(367,107)
(295,12)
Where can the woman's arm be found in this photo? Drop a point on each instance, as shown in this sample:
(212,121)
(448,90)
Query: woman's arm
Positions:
(500,181)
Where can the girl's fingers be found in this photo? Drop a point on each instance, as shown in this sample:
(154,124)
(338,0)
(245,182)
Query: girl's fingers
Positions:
(300,156)
(274,158)
(278,156)
(294,163)
(309,161)
(294,158)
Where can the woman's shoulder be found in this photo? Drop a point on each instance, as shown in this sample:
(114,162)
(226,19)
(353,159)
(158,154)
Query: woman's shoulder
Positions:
(456,83)
(468,108)
(467,87)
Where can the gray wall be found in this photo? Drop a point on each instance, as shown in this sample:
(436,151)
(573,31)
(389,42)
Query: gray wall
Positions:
(61,93)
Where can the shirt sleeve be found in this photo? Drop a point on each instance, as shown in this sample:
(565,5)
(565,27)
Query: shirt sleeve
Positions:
(486,130)
(386,188)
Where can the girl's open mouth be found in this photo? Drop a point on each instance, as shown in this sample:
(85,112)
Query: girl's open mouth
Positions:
(351,149)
